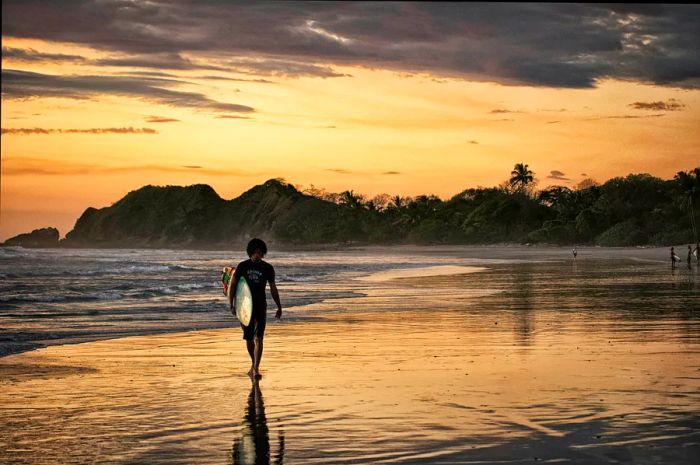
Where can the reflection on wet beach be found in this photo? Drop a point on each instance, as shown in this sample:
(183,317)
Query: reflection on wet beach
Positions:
(253,446)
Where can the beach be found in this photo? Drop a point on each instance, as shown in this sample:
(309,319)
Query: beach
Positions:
(486,357)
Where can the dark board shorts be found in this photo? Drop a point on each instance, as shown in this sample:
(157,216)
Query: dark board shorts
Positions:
(256,328)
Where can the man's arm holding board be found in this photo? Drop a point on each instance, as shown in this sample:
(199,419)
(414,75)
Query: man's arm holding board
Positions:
(232,290)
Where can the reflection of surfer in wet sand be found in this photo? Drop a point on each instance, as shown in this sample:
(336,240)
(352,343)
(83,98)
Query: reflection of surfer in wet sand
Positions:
(257,273)
(253,447)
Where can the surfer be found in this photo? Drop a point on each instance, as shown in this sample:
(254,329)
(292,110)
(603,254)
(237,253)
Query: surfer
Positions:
(697,253)
(257,273)
(575,252)
(690,254)
(674,258)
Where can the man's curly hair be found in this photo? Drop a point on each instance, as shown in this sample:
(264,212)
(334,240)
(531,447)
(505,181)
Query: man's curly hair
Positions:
(256,244)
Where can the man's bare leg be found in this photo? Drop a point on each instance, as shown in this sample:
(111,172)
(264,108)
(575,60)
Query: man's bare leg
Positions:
(258,356)
(250,345)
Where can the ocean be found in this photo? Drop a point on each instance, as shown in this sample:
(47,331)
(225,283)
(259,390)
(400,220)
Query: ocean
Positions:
(54,296)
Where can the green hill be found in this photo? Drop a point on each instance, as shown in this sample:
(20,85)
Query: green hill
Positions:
(195,216)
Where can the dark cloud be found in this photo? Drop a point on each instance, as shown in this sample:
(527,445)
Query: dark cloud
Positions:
(155,74)
(192,167)
(558,175)
(538,44)
(391,172)
(655,115)
(161,119)
(553,122)
(29,54)
(252,66)
(16,166)
(233,117)
(276,67)
(669,105)
(224,78)
(339,170)
(18,84)
(474,142)
(126,130)
(503,110)
(169,61)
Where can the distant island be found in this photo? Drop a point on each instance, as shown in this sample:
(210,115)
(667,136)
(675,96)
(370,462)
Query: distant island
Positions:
(638,209)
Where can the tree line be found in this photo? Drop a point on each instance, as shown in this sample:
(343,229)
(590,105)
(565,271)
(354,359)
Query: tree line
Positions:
(637,209)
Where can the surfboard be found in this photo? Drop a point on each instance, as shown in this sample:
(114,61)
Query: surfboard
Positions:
(676,258)
(695,253)
(226,276)
(243,302)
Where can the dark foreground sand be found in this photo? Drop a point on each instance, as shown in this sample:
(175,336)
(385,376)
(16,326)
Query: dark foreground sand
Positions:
(530,363)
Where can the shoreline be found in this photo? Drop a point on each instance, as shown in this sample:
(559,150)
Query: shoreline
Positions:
(376,277)
(474,259)
(343,246)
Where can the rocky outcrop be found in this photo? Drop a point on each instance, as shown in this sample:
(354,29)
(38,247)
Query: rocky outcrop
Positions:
(39,238)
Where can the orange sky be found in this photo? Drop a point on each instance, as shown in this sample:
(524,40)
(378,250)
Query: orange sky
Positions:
(373,131)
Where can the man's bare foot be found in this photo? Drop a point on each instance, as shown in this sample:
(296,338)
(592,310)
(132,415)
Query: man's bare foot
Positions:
(251,372)
(258,375)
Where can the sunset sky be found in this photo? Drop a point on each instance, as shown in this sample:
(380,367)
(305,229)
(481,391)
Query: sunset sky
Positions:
(102,97)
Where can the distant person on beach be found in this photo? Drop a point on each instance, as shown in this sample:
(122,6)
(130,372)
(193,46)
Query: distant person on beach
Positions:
(690,254)
(697,253)
(257,273)
(673,258)
(574,251)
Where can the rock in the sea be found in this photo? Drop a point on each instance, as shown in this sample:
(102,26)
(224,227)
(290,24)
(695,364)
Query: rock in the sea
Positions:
(44,237)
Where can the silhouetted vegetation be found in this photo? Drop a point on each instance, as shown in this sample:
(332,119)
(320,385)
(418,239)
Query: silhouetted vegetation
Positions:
(637,209)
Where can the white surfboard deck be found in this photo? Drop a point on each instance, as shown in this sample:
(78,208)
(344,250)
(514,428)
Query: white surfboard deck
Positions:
(243,302)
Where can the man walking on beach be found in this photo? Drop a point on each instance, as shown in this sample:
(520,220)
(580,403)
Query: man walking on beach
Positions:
(257,273)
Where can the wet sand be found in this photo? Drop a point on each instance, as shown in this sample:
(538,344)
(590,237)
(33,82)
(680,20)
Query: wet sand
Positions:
(593,362)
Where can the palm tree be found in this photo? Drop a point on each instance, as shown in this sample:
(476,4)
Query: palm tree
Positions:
(397,202)
(351,199)
(520,177)
(689,183)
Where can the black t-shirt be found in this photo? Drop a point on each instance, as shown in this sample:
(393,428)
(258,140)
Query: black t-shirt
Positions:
(257,274)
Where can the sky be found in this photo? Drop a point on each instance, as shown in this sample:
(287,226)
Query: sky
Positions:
(101,97)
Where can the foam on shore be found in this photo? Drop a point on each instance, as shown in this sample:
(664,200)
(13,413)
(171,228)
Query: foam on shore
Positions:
(440,270)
